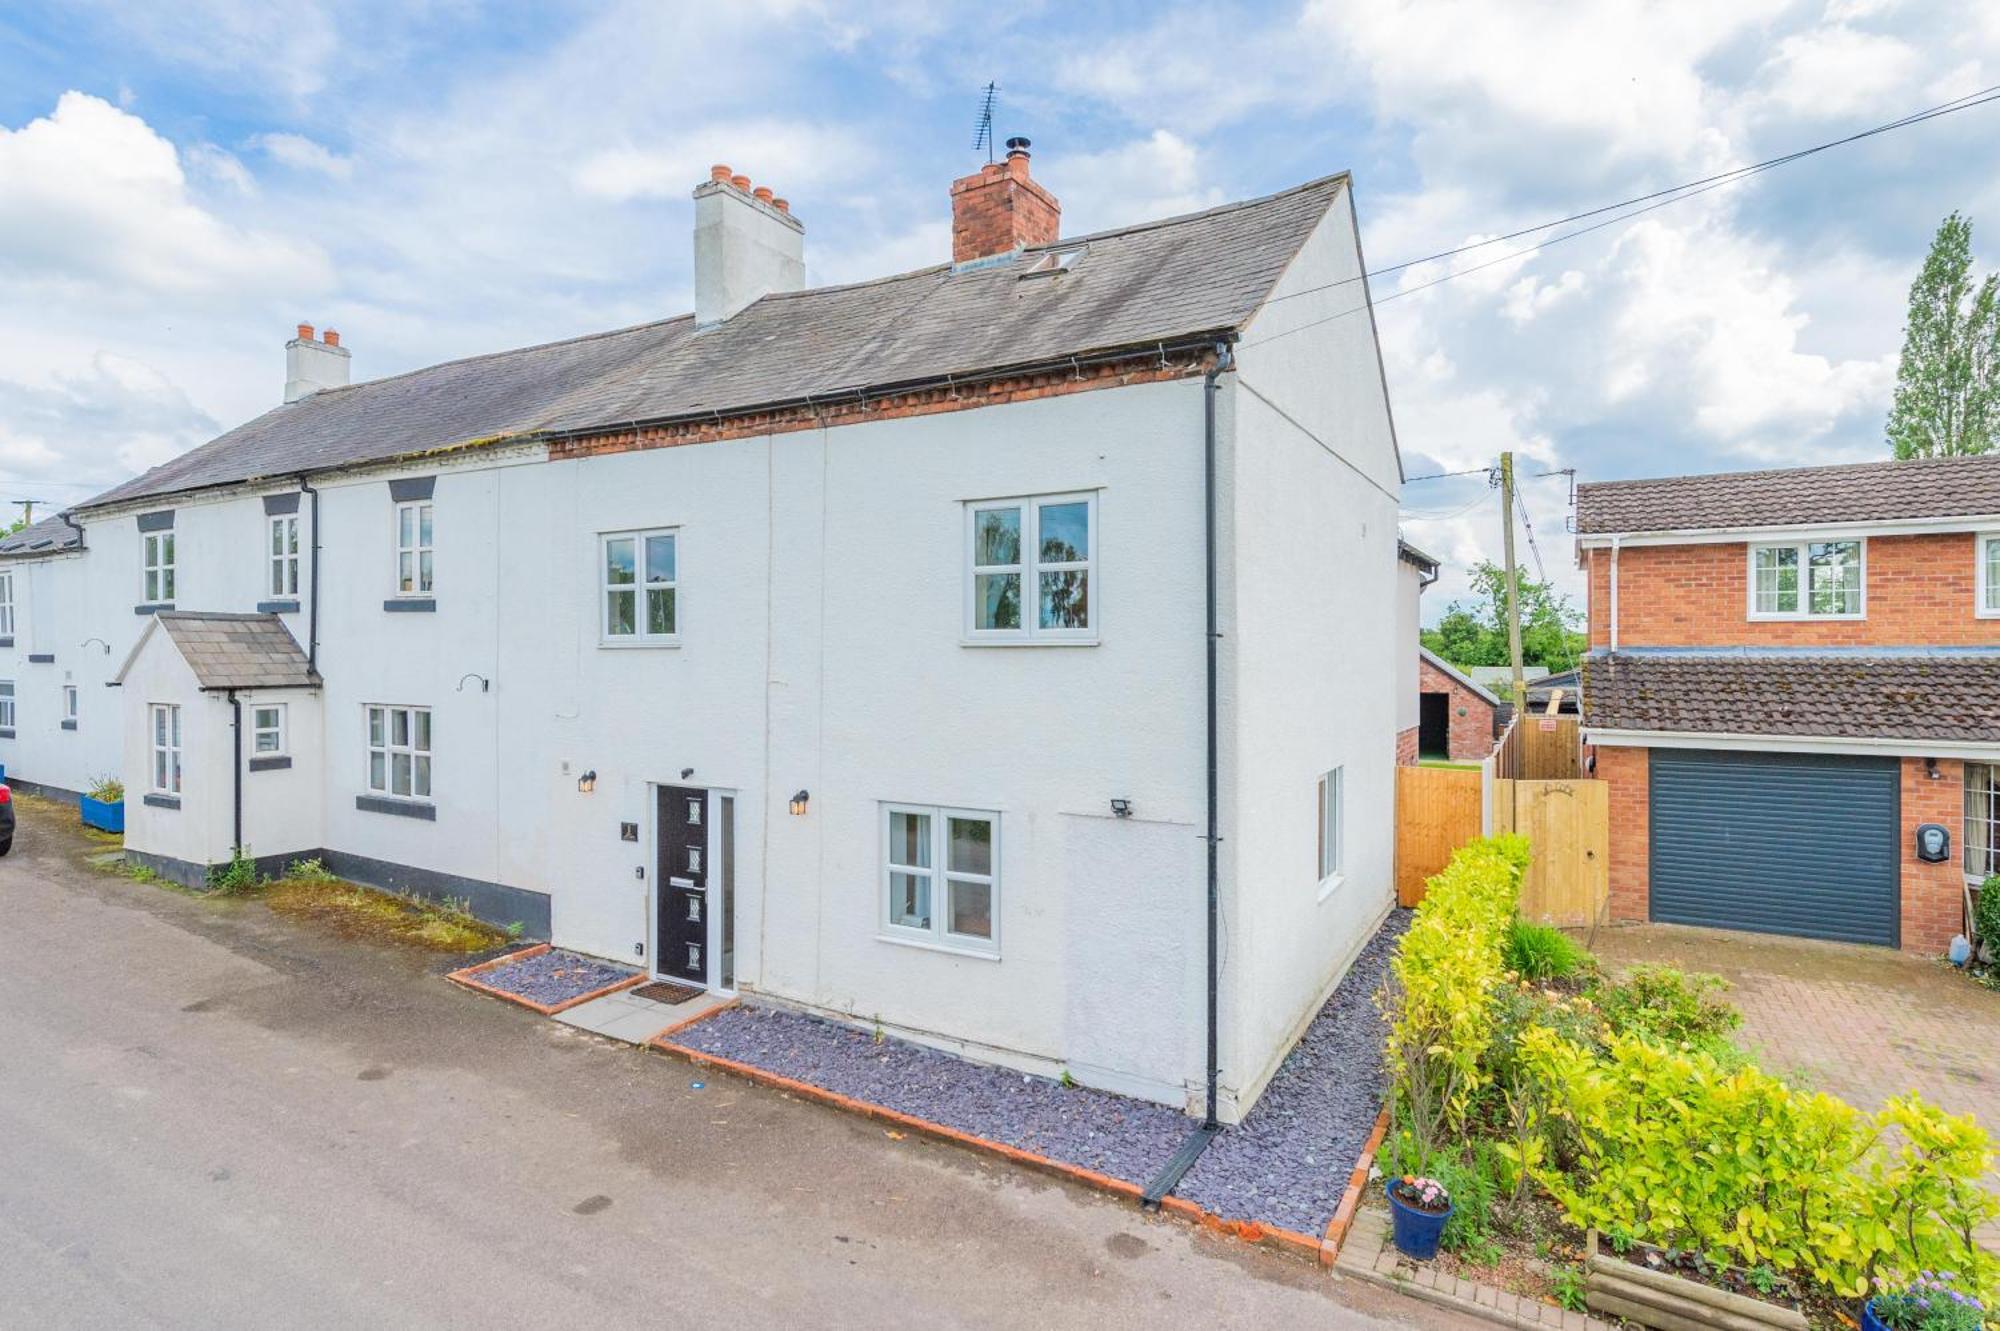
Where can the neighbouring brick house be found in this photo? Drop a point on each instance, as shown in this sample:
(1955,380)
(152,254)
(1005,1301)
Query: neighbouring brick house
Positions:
(1791,672)
(1455,714)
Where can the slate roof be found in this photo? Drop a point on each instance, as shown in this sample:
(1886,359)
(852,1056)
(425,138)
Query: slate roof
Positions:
(47,537)
(1183,277)
(1860,492)
(1945,696)
(238,651)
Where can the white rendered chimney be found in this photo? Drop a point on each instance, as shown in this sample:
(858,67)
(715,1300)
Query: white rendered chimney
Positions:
(746,244)
(311,365)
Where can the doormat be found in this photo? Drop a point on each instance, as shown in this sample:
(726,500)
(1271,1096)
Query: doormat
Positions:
(660,991)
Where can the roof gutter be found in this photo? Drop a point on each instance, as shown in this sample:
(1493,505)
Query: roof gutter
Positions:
(1607,737)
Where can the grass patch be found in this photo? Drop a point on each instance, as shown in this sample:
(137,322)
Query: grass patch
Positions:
(308,891)
(1543,952)
(1446,762)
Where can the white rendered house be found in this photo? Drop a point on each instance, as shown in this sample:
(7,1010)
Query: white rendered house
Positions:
(848,647)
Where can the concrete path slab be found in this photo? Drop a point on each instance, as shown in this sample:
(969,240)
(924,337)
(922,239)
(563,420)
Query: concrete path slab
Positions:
(625,1016)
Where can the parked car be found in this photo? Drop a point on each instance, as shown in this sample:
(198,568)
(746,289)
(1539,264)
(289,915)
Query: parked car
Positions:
(6,818)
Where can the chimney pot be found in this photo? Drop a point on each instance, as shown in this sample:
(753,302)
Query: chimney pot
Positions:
(332,338)
(763,192)
(720,171)
(305,332)
(741,182)
(999,209)
(781,205)
(1017,146)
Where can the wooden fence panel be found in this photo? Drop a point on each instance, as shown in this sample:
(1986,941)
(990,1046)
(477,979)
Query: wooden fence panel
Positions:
(1568,826)
(1549,746)
(1437,811)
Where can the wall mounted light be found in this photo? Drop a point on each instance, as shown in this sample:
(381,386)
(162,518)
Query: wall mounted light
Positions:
(99,641)
(484,683)
(686,772)
(1121,808)
(1931,771)
(587,782)
(798,804)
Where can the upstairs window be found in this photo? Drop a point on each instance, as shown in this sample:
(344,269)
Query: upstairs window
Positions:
(6,605)
(1807,580)
(158,549)
(166,749)
(1029,567)
(399,752)
(284,555)
(640,587)
(413,549)
(1986,547)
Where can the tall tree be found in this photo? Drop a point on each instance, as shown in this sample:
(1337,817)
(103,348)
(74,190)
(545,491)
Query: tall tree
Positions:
(1948,386)
(1475,633)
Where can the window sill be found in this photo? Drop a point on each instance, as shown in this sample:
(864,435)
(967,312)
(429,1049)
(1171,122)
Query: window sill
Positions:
(69,725)
(7,640)
(1993,613)
(271,762)
(421,605)
(41,658)
(926,945)
(1028,642)
(1755,618)
(6,732)
(162,801)
(152,607)
(1328,886)
(639,644)
(288,606)
(398,808)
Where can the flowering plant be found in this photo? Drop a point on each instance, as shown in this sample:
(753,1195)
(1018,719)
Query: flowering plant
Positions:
(1930,1303)
(1426,1194)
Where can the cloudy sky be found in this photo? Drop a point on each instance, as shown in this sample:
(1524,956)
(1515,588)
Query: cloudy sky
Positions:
(179,184)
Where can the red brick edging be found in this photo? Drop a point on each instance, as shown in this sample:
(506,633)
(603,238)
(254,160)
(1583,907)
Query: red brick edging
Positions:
(465,977)
(1357,1184)
(1250,1231)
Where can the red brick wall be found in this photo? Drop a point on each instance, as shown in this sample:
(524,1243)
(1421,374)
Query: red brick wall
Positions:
(1920,593)
(1471,715)
(1933,894)
(1406,747)
(998,208)
(1628,776)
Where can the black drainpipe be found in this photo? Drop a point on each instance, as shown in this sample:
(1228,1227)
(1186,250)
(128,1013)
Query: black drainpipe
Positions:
(236,747)
(1197,1141)
(70,523)
(312,606)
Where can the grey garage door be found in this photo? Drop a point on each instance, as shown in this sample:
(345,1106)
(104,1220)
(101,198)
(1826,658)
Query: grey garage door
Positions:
(1777,843)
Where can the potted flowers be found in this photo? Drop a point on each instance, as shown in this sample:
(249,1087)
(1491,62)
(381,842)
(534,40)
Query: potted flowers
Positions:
(1420,1207)
(1928,1303)
(104,807)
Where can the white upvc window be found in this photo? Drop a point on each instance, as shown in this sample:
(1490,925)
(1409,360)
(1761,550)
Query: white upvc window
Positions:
(413,548)
(399,752)
(941,877)
(267,730)
(1986,548)
(158,550)
(1808,580)
(1332,830)
(638,587)
(6,605)
(1982,821)
(6,704)
(166,749)
(69,702)
(284,552)
(1029,568)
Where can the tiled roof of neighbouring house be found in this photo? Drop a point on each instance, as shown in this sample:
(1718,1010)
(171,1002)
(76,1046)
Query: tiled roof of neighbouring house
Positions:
(47,537)
(1947,696)
(1861,492)
(1175,279)
(239,651)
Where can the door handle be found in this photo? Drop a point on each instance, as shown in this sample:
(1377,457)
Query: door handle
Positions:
(683,882)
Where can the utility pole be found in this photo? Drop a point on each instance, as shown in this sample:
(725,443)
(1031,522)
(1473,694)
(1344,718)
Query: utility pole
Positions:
(27,507)
(1513,580)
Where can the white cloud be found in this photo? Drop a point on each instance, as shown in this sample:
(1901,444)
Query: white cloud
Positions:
(783,154)
(1158,175)
(303,154)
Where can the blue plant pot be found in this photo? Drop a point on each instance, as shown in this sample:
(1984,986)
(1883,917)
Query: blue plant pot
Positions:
(1869,1321)
(1416,1232)
(105,817)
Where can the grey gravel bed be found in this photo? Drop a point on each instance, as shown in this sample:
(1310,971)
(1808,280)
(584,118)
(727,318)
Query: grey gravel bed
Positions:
(554,977)
(1127,1139)
(1289,1161)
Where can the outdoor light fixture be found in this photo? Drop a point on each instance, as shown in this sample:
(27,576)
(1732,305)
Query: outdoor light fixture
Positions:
(1931,771)
(1121,808)
(686,772)
(587,782)
(798,805)
(99,641)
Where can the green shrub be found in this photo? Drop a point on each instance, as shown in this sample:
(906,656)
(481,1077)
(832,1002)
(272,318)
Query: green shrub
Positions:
(1668,1006)
(1986,912)
(107,790)
(308,871)
(1543,952)
(234,878)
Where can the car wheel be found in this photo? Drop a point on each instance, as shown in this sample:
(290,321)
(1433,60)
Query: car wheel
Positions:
(6,845)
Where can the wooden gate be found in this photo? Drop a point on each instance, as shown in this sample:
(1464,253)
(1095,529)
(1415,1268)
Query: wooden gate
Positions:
(1437,811)
(1568,827)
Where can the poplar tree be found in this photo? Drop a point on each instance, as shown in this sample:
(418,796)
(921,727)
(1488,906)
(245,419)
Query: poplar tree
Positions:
(1948,385)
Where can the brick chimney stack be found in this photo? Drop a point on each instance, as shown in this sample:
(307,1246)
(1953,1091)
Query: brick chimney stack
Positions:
(1000,209)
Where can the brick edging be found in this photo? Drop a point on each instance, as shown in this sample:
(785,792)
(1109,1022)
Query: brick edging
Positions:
(1249,1231)
(466,978)
(1357,1184)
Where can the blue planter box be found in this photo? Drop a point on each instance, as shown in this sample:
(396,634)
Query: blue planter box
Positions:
(104,817)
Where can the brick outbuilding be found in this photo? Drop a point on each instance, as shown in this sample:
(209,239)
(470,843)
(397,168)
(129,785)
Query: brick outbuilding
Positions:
(1456,715)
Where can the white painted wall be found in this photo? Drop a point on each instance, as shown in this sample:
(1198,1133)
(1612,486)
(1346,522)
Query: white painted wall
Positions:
(283,808)
(198,832)
(1409,631)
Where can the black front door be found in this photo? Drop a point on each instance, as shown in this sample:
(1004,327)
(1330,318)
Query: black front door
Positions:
(683,878)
